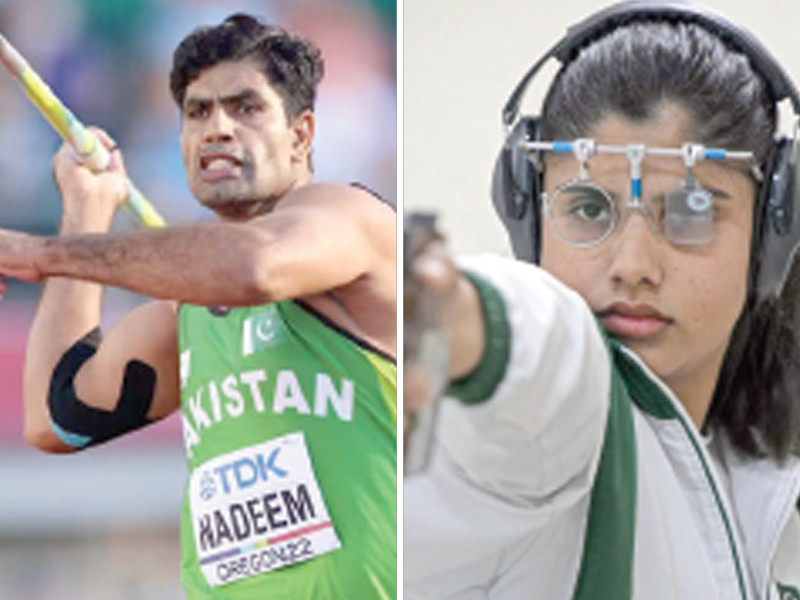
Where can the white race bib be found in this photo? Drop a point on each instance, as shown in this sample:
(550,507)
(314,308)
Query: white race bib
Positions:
(258,509)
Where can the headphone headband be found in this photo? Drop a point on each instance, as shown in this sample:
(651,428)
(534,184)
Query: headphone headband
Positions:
(779,84)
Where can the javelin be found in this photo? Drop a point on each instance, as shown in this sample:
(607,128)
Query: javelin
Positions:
(85,143)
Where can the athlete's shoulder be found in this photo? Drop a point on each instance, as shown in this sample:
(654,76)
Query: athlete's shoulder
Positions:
(340,195)
(360,186)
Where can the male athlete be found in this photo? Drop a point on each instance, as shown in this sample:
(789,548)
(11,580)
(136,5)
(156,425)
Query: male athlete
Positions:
(275,333)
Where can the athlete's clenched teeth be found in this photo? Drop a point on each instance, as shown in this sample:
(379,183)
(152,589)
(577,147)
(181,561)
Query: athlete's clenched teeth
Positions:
(217,162)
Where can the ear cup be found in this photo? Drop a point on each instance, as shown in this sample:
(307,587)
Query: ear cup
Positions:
(778,226)
(515,191)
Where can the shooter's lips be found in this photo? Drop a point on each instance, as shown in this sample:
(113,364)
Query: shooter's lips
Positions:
(633,321)
(216,166)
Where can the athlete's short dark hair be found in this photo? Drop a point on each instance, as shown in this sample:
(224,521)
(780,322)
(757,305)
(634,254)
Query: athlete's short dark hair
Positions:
(292,64)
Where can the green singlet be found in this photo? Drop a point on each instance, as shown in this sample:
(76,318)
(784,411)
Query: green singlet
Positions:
(290,432)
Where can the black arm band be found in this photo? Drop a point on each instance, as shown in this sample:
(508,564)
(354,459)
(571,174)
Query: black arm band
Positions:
(80,425)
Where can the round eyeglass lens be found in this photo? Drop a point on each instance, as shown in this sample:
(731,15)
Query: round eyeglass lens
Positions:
(582,213)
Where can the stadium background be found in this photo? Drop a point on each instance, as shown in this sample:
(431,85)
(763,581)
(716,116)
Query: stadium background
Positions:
(102,525)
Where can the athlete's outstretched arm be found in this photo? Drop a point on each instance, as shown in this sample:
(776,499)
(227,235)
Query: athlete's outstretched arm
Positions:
(318,238)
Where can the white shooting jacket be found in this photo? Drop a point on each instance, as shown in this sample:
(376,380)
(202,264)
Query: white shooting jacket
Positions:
(568,470)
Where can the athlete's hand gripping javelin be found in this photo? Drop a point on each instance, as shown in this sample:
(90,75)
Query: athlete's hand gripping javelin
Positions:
(90,197)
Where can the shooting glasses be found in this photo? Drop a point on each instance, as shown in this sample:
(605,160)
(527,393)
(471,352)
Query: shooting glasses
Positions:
(584,214)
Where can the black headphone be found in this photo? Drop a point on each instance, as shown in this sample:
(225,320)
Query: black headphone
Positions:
(517,183)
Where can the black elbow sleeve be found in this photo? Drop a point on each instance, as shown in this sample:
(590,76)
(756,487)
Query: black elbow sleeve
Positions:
(80,425)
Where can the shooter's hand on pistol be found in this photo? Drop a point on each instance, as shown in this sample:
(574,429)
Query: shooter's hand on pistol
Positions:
(444,332)
(427,272)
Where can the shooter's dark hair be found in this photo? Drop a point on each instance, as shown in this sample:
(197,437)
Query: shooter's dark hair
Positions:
(291,64)
(633,71)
